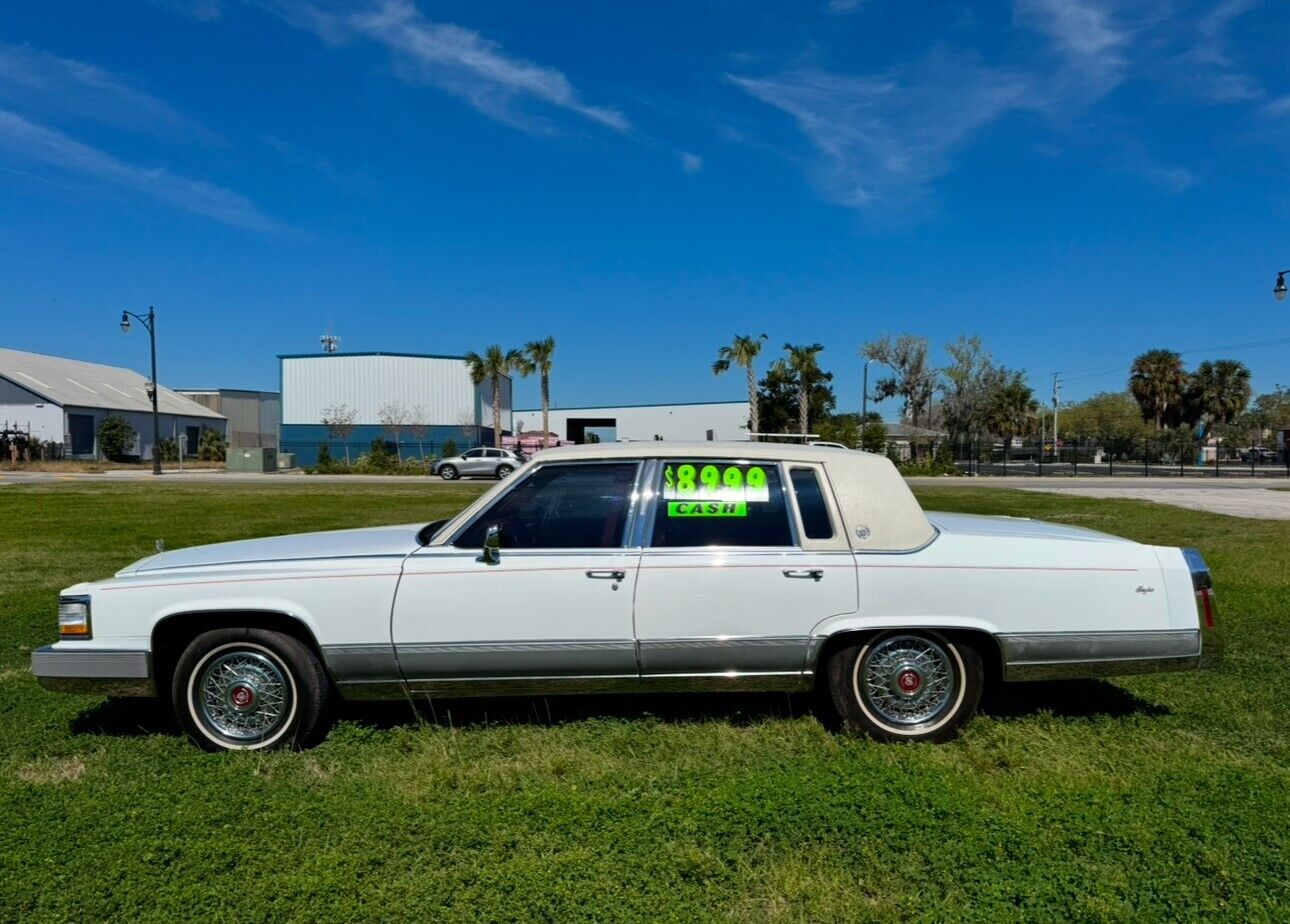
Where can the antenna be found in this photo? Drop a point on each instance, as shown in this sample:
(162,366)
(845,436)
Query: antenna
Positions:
(330,342)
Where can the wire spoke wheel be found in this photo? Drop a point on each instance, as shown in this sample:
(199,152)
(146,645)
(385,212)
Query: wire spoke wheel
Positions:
(243,695)
(906,680)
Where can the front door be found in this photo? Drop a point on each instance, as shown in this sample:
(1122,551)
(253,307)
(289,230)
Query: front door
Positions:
(743,559)
(556,609)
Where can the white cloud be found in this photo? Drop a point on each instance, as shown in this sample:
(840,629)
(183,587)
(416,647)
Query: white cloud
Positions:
(200,10)
(1208,66)
(30,141)
(884,138)
(1092,47)
(44,83)
(690,163)
(457,60)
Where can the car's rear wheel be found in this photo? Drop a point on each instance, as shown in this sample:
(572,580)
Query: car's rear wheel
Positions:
(447,472)
(906,685)
(503,470)
(249,689)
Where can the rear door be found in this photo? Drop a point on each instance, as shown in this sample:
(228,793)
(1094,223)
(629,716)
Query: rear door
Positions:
(737,569)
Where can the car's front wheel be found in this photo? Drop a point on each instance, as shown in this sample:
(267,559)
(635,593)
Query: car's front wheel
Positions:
(447,472)
(906,685)
(503,470)
(249,689)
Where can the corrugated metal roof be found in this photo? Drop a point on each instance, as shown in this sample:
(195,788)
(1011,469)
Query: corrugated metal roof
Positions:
(80,384)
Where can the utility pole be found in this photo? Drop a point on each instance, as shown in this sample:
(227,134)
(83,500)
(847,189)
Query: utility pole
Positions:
(1056,385)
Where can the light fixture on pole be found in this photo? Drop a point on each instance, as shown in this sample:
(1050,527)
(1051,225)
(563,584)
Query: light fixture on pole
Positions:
(149,322)
(1279,290)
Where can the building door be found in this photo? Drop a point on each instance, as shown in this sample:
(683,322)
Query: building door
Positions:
(194,435)
(80,427)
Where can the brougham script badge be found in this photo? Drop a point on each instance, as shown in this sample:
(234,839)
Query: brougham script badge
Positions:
(1145,590)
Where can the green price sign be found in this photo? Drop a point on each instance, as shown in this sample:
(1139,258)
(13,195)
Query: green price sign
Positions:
(699,481)
(706,509)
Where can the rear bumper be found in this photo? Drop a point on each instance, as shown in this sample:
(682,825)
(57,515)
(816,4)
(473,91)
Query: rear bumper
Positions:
(91,670)
(1063,655)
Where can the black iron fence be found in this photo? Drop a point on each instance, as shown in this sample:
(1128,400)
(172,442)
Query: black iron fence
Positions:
(1144,458)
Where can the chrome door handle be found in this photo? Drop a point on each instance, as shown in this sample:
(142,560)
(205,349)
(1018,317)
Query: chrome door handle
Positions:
(607,575)
(815,574)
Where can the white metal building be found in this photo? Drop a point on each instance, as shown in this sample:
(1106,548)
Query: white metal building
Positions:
(433,391)
(65,400)
(714,420)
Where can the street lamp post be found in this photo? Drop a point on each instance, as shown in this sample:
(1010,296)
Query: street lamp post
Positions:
(1279,290)
(864,397)
(150,322)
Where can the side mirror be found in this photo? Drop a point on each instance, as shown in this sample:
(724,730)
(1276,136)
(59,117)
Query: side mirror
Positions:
(492,547)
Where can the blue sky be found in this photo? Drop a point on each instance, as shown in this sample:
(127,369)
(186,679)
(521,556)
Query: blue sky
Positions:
(1074,180)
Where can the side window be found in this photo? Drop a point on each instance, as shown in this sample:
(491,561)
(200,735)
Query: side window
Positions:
(474,454)
(493,453)
(560,507)
(706,502)
(811,503)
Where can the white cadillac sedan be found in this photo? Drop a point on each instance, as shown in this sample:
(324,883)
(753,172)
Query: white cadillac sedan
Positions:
(642,567)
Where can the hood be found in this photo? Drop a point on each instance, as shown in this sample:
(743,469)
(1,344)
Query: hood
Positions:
(344,543)
(963,524)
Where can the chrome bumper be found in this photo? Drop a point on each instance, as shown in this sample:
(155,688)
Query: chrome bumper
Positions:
(1064,655)
(106,672)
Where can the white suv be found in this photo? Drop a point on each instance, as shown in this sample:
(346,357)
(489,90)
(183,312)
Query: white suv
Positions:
(492,463)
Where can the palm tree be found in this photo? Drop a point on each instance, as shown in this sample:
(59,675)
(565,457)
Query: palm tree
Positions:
(538,356)
(1157,382)
(1009,406)
(802,362)
(491,367)
(743,351)
(1219,392)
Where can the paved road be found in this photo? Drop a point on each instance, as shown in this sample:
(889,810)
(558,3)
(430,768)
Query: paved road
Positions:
(1252,498)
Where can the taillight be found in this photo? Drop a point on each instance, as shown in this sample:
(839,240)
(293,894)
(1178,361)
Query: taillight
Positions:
(1205,599)
(1203,583)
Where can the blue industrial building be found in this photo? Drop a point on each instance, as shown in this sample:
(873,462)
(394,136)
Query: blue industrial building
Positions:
(418,401)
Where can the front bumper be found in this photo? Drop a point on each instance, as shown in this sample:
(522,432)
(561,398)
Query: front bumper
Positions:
(94,670)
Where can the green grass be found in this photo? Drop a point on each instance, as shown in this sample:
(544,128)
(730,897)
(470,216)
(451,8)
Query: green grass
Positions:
(1157,797)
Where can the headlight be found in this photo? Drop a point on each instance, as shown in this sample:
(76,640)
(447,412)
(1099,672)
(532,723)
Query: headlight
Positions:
(74,617)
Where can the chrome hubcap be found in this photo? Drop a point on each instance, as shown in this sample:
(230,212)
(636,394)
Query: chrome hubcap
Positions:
(243,695)
(906,679)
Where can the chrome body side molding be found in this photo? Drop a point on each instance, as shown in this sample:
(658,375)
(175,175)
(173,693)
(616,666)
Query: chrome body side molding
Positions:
(1054,655)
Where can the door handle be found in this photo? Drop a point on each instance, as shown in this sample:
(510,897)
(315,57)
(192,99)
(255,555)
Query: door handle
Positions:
(607,575)
(815,574)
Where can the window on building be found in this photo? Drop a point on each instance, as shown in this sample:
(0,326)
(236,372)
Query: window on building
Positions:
(560,507)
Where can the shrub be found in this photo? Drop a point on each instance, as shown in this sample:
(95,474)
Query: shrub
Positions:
(115,437)
(873,437)
(168,449)
(449,448)
(211,447)
(324,462)
(924,468)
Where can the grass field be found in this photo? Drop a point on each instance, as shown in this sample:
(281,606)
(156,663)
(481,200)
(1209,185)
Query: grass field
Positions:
(1158,797)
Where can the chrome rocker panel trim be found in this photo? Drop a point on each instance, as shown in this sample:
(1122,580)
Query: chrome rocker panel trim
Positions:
(1063,655)
(102,671)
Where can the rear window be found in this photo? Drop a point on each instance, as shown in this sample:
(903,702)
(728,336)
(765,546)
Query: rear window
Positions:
(705,502)
(811,504)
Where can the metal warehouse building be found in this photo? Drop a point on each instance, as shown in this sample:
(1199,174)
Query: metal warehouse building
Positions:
(252,415)
(64,401)
(434,392)
(713,420)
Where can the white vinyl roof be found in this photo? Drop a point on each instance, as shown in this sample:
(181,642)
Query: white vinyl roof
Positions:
(70,382)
